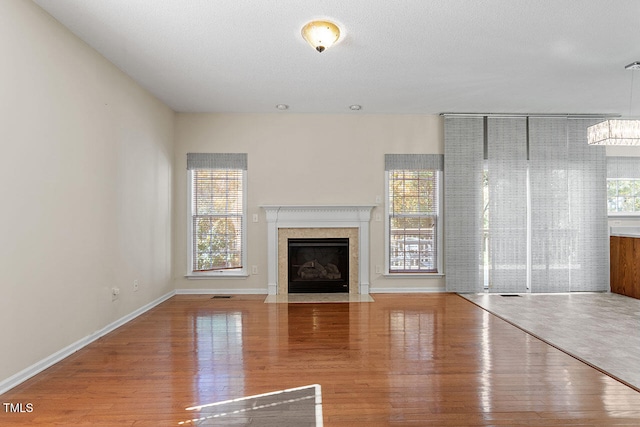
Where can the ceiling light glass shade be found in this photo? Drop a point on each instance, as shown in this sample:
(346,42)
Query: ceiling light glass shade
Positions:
(614,132)
(321,35)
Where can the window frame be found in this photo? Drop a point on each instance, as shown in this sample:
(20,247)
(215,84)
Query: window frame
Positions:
(623,214)
(226,273)
(439,250)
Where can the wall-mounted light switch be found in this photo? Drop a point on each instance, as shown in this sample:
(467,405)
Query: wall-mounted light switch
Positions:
(255,217)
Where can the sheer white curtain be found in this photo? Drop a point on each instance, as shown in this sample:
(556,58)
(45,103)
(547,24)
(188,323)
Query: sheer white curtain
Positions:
(550,230)
(463,169)
(507,225)
(570,245)
(588,207)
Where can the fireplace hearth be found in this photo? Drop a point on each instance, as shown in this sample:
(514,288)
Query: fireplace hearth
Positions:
(318,265)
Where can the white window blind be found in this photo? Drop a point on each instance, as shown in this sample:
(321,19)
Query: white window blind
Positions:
(217,211)
(413,212)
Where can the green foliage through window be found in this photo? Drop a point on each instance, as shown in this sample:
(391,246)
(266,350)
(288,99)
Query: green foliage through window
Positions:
(217,217)
(413,221)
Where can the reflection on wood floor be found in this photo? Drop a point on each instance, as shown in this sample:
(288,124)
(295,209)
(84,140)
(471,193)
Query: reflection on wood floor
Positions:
(417,360)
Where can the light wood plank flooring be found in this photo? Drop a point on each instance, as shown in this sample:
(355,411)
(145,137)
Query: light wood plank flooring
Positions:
(403,360)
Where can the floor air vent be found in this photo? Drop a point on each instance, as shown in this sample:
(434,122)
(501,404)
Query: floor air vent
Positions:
(221,297)
(509,295)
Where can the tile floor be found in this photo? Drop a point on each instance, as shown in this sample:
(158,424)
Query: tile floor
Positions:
(601,329)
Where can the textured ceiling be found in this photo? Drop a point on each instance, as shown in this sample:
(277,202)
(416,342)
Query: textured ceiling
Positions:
(403,56)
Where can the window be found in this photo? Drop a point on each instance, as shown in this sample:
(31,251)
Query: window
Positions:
(623,186)
(413,213)
(217,214)
(623,196)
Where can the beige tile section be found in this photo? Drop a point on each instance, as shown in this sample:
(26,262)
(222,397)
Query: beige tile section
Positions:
(296,233)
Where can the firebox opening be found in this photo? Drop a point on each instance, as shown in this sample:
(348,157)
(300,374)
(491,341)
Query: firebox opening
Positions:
(318,265)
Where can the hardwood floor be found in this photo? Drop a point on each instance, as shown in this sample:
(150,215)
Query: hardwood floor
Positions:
(404,360)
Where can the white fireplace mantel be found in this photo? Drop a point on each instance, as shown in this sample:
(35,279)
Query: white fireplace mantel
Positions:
(321,216)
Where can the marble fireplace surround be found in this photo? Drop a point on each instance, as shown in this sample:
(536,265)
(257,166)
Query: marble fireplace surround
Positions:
(293,221)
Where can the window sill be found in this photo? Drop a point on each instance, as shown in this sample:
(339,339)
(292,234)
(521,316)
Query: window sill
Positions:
(414,275)
(624,215)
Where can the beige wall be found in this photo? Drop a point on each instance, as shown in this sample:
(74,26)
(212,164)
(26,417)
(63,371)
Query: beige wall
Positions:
(302,159)
(86,176)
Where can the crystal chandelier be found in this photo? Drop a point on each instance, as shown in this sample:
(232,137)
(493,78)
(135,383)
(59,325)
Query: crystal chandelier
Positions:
(614,132)
(617,131)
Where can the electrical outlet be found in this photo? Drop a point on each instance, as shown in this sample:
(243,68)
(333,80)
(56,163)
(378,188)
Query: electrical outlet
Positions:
(136,285)
(254,269)
(378,269)
(114,293)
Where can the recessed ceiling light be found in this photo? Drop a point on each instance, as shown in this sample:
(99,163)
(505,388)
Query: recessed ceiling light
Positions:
(282,107)
(355,107)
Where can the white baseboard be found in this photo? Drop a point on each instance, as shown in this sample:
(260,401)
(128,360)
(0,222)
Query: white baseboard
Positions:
(234,291)
(412,290)
(56,357)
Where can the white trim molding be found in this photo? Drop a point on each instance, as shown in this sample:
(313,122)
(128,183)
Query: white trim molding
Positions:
(320,216)
(421,290)
(235,291)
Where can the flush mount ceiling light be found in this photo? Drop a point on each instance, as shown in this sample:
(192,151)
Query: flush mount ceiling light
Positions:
(617,132)
(321,35)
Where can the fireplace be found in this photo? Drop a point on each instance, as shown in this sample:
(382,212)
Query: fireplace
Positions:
(318,265)
(286,222)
